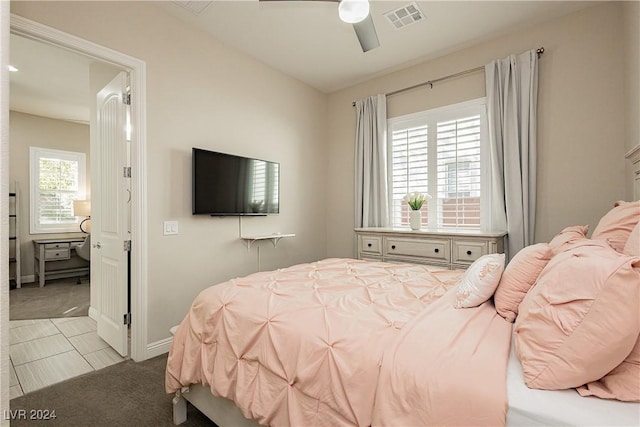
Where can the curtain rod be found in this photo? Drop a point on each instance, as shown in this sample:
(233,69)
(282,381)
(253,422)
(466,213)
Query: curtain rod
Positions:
(539,52)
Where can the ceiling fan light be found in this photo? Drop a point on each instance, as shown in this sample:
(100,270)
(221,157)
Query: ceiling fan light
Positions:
(353,11)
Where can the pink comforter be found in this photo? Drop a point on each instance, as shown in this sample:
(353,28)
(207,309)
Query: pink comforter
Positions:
(304,345)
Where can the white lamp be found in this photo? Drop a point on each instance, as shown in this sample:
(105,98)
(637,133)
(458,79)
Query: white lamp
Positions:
(353,11)
(82,208)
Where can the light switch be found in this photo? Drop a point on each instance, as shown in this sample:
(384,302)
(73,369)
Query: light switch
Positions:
(170,228)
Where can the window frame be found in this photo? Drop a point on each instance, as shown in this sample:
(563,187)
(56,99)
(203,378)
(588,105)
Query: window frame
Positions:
(35,154)
(431,118)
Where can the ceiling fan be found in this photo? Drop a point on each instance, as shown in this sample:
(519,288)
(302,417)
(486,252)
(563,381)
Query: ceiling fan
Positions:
(355,12)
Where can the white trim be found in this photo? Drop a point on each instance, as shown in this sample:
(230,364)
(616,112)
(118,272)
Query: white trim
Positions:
(447,109)
(137,71)
(93,313)
(4,209)
(159,347)
(28,279)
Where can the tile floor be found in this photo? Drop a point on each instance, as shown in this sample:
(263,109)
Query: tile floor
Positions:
(47,351)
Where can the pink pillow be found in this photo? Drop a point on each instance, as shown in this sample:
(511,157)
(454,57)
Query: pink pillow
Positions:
(580,320)
(567,236)
(617,224)
(623,383)
(479,281)
(519,276)
(632,247)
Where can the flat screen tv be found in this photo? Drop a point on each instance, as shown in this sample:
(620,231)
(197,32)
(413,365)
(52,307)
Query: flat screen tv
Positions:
(224,184)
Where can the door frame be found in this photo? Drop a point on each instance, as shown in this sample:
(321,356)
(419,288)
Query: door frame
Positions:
(137,72)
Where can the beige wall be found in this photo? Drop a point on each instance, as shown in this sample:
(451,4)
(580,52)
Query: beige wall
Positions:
(631,26)
(203,94)
(580,118)
(27,131)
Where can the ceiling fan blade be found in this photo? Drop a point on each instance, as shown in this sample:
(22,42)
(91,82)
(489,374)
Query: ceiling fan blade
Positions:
(366,32)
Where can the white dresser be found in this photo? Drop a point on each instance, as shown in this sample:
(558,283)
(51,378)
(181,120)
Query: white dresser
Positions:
(447,248)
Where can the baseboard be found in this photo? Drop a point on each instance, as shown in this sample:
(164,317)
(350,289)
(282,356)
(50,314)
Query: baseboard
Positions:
(93,313)
(158,347)
(28,279)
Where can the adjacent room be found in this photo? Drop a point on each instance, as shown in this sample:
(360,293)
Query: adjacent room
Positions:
(53,94)
(350,212)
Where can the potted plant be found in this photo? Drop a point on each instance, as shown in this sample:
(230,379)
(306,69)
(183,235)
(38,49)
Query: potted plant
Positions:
(415,201)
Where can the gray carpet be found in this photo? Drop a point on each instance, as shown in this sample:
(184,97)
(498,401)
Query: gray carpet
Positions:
(125,394)
(58,298)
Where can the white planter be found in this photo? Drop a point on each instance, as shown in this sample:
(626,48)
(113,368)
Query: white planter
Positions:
(415,219)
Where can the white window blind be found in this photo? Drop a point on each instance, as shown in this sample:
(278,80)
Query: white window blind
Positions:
(57,179)
(459,185)
(409,170)
(439,152)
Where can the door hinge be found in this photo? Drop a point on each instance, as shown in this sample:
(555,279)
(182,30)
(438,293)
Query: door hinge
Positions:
(127,245)
(127,318)
(126,172)
(126,98)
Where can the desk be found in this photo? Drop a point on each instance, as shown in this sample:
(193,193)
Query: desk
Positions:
(57,259)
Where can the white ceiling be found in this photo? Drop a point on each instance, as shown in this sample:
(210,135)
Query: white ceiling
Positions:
(304,39)
(307,40)
(51,81)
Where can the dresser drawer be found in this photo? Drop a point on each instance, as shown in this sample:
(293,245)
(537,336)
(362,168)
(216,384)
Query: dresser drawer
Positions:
(434,249)
(56,246)
(54,254)
(468,251)
(371,244)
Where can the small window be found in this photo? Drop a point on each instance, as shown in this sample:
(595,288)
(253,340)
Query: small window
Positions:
(57,179)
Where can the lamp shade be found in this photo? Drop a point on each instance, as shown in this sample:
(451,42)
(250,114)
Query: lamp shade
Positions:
(82,208)
(353,11)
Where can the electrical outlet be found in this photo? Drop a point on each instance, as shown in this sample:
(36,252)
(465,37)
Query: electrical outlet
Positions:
(170,228)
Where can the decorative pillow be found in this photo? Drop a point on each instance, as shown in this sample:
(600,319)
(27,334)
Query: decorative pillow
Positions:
(623,383)
(567,236)
(617,224)
(479,281)
(632,247)
(519,276)
(580,320)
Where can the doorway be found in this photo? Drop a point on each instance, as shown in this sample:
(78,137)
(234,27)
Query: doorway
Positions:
(136,68)
(50,172)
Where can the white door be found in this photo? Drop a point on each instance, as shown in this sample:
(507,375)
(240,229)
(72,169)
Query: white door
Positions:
(109,228)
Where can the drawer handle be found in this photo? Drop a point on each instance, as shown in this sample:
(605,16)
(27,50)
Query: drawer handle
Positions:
(393,246)
(57,254)
(437,250)
(369,244)
(468,252)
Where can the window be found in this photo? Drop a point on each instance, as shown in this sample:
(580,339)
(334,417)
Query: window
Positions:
(439,152)
(57,179)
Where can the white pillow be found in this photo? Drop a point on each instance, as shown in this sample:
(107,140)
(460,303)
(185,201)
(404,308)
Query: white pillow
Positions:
(479,281)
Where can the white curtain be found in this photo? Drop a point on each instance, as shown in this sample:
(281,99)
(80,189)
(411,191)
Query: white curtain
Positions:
(512,93)
(372,202)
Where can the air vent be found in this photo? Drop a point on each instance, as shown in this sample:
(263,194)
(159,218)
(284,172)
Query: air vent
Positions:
(406,15)
(195,7)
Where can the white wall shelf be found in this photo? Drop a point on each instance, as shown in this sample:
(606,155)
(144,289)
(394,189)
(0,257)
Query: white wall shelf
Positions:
(275,238)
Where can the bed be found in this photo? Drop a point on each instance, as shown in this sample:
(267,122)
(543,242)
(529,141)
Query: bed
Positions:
(304,345)
(349,342)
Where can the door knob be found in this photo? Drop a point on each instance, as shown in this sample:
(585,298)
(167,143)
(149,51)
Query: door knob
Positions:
(97,245)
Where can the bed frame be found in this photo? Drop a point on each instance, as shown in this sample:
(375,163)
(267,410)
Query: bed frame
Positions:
(221,411)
